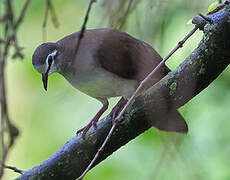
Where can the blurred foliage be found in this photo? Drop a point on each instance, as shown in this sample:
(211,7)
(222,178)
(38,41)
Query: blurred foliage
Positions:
(48,119)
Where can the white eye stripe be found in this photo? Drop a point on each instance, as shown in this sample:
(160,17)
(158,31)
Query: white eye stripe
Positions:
(53,54)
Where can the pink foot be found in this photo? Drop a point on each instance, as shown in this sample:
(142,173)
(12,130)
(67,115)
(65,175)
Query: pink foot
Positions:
(93,122)
(117,107)
(85,129)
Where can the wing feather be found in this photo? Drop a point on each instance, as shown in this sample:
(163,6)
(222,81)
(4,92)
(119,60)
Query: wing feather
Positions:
(128,57)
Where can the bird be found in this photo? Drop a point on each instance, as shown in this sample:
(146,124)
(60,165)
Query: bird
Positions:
(108,63)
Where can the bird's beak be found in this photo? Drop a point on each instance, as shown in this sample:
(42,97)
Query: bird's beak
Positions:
(45,80)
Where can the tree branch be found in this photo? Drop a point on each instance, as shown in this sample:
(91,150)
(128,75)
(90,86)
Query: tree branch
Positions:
(203,65)
(9,131)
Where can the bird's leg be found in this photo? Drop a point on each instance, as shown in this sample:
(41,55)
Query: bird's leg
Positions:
(93,122)
(117,107)
(105,106)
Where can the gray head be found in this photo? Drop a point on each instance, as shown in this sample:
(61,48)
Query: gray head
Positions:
(45,61)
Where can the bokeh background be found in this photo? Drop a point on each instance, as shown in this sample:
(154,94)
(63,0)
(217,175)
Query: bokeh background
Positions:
(48,119)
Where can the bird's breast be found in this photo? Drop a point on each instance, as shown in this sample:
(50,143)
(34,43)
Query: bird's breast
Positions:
(98,82)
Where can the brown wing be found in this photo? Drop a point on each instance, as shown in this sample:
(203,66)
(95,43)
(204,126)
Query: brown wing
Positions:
(128,57)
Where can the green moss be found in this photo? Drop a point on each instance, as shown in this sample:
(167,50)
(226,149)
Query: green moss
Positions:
(86,157)
(172,88)
(59,163)
(211,51)
(206,38)
(51,174)
(227,8)
(127,121)
(202,69)
(32,178)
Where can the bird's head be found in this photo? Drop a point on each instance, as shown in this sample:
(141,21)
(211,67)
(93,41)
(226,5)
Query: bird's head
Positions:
(45,61)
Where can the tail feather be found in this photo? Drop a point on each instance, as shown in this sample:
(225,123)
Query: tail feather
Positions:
(172,122)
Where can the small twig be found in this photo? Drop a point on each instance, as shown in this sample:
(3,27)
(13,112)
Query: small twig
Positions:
(84,25)
(53,15)
(49,7)
(14,169)
(119,13)
(10,13)
(18,49)
(45,21)
(206,18)
(125,14)
(98,152)
(141,85)
(22,14)
(4,112)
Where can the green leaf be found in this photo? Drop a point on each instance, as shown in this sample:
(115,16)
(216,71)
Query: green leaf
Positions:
(213,6)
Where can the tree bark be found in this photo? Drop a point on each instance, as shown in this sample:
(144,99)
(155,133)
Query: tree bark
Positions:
(199,69)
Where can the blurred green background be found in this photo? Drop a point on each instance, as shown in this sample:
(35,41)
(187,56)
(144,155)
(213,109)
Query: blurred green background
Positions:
(48,119)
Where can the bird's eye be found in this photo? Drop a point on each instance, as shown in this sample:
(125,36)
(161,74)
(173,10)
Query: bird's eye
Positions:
(50,59)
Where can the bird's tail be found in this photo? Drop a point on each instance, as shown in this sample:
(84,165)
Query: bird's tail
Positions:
(172,121)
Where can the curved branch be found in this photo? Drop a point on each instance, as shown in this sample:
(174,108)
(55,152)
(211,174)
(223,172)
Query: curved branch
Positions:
(203,65)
